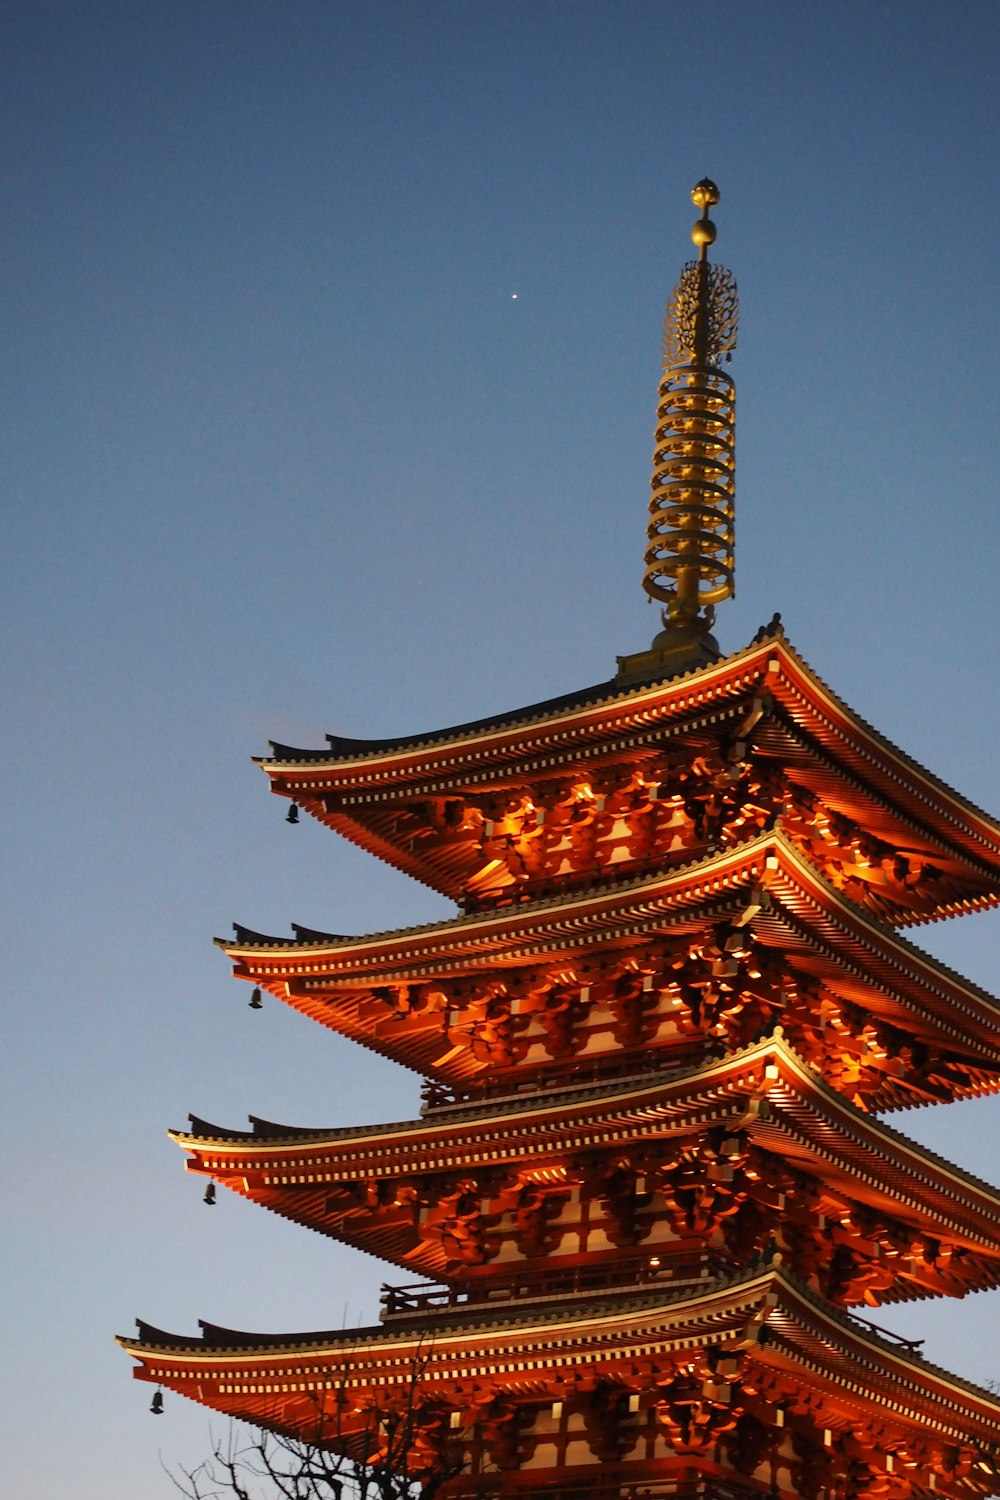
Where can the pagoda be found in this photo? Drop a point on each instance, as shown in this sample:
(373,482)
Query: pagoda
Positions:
(650,1202)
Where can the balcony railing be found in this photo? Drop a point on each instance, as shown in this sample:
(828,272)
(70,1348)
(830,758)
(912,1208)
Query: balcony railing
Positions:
(576,1281)
(912,1346)
(542,1080)
(570,1281)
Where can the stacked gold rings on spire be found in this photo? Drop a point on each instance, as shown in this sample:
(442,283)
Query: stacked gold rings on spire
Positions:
(689,557)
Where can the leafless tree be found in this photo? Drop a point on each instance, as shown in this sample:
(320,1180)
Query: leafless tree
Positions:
(367,1455)
(250,1464)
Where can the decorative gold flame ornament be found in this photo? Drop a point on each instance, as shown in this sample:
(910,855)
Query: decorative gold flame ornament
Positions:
(689,556)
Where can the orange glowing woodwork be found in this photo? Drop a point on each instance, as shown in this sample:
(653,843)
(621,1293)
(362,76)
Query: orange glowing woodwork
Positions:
(649,1180)
(649,1190)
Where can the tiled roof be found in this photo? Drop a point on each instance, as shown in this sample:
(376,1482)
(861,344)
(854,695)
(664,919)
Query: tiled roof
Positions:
(757,1281)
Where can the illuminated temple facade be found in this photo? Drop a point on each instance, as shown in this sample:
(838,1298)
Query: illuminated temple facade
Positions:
(651,1195)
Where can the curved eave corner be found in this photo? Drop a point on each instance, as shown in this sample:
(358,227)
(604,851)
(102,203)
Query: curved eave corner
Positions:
(772,660)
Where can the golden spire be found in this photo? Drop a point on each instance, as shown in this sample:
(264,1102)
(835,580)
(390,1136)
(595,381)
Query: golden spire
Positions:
(689,555)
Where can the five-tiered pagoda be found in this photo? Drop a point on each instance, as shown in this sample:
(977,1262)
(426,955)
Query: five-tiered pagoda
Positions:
(651,1182)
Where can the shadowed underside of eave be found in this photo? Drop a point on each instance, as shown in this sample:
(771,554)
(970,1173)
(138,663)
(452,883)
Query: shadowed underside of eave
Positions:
(508,1344)
(857,765)
(323,1179)
(765,884)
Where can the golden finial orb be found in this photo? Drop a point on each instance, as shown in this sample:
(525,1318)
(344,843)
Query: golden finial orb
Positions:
(705,194)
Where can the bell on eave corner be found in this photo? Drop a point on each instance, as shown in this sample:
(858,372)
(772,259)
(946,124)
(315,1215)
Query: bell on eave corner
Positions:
(156,1405)
(209,1197)
(256,1000)
(292,815)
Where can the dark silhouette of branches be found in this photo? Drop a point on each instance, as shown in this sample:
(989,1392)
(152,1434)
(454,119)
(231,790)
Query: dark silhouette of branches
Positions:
(254,1465)
(353,1454)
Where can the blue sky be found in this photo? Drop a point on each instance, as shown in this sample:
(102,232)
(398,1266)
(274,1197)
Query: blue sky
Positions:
(283,456)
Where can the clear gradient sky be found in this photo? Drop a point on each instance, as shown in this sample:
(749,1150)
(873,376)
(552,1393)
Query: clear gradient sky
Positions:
(284,455)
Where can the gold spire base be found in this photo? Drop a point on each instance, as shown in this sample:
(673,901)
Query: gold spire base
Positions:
(678,648)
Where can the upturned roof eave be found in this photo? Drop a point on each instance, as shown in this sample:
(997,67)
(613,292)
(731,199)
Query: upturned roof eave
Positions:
(728,870)
(773,658)
(593,703)
(851,1350)
(754,1284)
(922,1165)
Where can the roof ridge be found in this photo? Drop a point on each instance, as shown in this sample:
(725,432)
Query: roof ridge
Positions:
(595,696)
(247,938)
(773,1274)
(776,1043)
(536,904)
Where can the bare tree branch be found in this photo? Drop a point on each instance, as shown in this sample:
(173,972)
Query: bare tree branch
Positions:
(376,1458)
